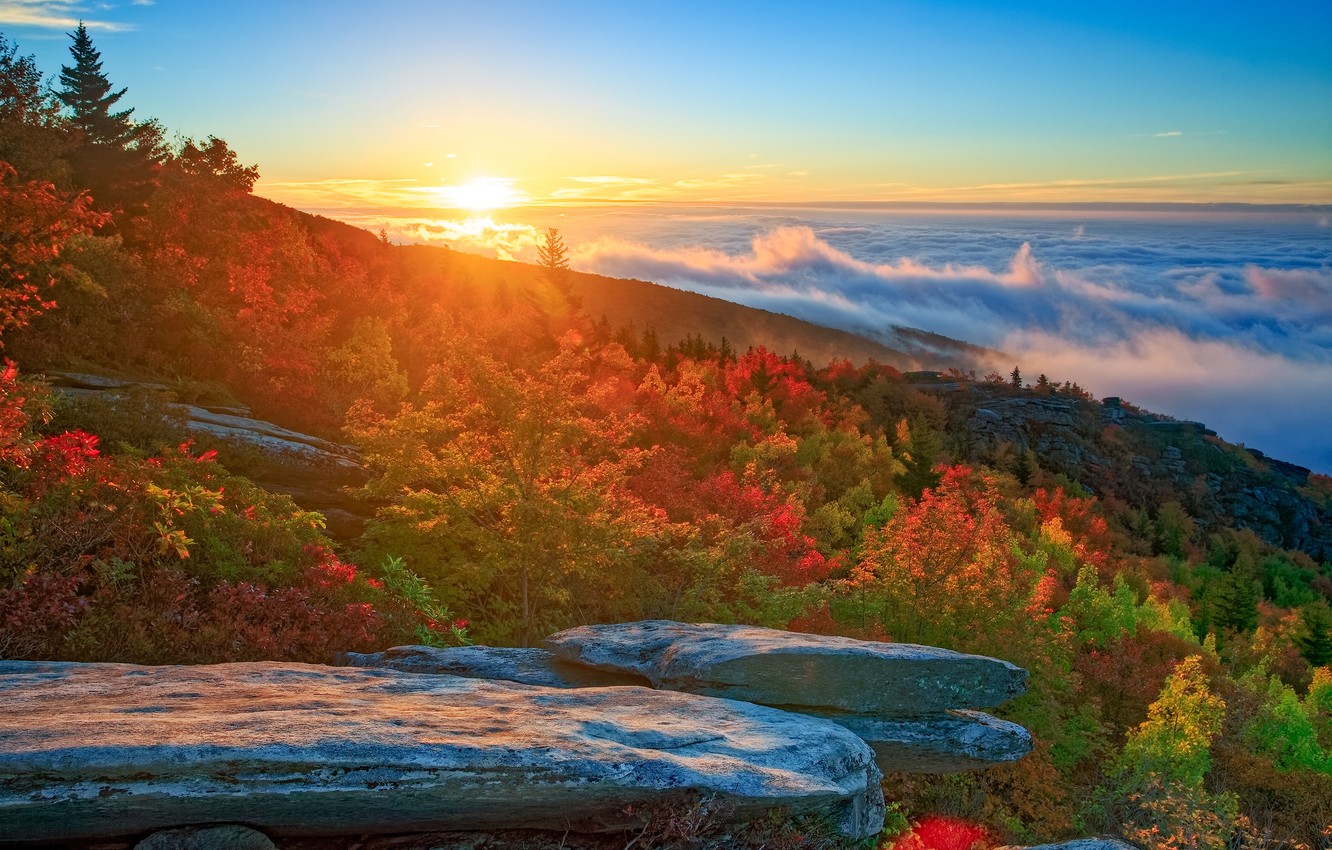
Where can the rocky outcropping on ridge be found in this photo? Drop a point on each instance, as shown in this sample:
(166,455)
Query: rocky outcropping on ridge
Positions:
(91,750)
(778,668)
(507,664)
(314,472)
(908,702)
(928,742)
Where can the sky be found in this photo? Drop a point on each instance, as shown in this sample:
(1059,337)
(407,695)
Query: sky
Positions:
(793,156)
(398,104)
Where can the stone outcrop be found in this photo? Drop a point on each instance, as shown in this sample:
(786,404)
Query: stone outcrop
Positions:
(951,742)
(226,837)
(946,742)
(90,750)
(507,664)
(787,669)
(313,471)
(1078,844)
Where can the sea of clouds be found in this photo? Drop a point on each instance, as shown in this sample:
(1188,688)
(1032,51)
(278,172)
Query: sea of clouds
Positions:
(1222,317)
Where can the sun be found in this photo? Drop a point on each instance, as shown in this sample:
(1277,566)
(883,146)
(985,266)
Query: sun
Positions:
(483,193)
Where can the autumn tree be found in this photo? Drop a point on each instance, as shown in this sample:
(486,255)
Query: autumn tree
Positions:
(36,224)
(506,489)
(33,138)
(943,563)
(1161,771)
(218,163)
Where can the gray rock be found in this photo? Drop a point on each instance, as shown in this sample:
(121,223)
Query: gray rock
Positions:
(954,742)
(787,669)
(1078,844)
(227,837)
(100,750)
(509,664)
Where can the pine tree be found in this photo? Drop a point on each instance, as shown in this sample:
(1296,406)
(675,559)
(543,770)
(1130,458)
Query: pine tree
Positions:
(565,311)
(1236,600)
(922,446)
(87,93)
(552,255)
(117,157)
(1316,644)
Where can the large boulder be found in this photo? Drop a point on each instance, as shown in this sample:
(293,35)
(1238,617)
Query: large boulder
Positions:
(99,750)
(226,837)
(793,670)
(953,742)
(505,663)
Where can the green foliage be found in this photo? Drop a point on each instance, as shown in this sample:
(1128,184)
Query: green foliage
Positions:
(1283,728)
(1174,742)
(435,626)
(921,449)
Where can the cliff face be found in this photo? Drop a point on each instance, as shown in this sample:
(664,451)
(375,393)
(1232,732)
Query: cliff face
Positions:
(1146,460)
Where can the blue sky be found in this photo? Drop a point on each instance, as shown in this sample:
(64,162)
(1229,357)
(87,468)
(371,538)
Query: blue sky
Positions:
(733,102)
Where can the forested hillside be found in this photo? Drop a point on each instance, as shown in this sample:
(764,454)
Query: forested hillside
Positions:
(542,453)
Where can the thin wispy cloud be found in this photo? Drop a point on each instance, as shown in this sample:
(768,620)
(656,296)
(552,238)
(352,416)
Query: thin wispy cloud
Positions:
(338,194)
(56,14)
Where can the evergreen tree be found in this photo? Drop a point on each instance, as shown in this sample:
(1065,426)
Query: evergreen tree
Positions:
(922,446)
(725,353)
(87,93)
(565,311)
(1015,378)
(117,157)
(552,255)
(1236,598)
(1316,643)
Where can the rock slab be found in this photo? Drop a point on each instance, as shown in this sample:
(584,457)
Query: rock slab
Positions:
(227,837)
(791,670)
(953,742)
(93,751)
(509,664)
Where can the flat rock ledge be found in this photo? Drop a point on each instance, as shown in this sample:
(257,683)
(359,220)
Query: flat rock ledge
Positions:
(91,751)
(953,742)
(947,742)
(508,664)
(792,670)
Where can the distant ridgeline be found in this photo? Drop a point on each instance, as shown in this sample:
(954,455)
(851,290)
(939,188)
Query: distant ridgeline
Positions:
(1117,450)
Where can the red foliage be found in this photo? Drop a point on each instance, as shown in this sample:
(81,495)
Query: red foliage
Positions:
(776,379)
(65,455)
(1082,519)
(936,832)
(37,222)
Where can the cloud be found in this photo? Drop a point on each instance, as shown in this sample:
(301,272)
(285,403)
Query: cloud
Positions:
(54,14)
(337,194)
(480,235)
(1169,134)
(610,180)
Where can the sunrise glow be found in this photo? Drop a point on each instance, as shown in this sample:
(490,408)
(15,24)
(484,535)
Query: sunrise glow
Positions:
(481,194)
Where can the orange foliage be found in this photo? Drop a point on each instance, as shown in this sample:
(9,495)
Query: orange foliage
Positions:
(37,223)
